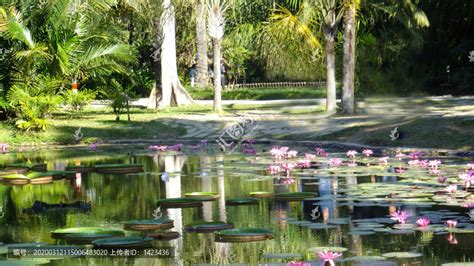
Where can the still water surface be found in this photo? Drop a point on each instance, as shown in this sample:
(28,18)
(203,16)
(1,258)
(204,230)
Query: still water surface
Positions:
(118,198)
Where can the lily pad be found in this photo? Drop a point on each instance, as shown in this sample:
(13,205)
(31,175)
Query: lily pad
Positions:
(204,196)
(207,227)
(402,255)
(283,256)
(63,233)
(243,235)
(261,194)
(180,203)
(123,242)
(321,249)
(294,196)
(119,168)
(148,225)
(241,201)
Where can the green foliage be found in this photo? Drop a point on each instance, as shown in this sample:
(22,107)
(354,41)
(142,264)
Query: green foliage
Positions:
(34,108)
(78,100)
(118,95)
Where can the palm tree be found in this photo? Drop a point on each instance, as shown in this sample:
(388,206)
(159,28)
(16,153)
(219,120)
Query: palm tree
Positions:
(172,92)
(55,44)
(307,22)
(216,23)
(201,45)
(407,12)
(351,7)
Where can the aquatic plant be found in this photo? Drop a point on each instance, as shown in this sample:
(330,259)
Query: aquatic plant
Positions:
(367,152)
(384,160)
(321,152)
(400,216)
(328,257)
(400,156)
(423,222)
(298,263)
(451,223)
(335,162)
(309,156)
(441,179)
(304,163)
(351,154)
(451,189)
(274,169)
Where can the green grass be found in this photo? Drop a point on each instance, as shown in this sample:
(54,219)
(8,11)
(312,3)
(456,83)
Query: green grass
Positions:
(96,125)
(260,93)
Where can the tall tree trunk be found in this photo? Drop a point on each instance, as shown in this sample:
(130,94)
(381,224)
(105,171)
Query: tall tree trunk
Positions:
(172,92)
(331,75)
(201,45)
(349,59)
(216,43)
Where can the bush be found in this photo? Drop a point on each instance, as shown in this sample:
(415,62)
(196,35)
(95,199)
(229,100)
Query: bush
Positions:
(33,111)
(76,101)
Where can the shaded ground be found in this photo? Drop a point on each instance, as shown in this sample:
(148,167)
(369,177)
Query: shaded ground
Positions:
(433,122)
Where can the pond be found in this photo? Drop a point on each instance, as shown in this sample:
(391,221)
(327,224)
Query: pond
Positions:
(373,209)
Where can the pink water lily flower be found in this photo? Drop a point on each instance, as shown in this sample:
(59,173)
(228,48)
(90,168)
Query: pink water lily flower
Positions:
(309,156)
(470,166)
(423,163)
(274,169)
(367,152)
(434,164)
(433,171)
(451,223)
(400,216)
(351,164)
(288,167)
(415,155)
(176,147)
(291,154)
(351,153)
(321,152)
(400,155)
(451,189)
(423,222)
(278,152)
(287,181)
(335,162)
(384,160)
(304,163)
(329,257)
(298,263)
(468,178)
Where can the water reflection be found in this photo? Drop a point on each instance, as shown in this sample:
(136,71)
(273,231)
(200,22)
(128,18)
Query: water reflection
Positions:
(119,198)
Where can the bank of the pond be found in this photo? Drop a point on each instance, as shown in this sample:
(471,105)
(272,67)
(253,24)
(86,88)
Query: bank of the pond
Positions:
(429,122)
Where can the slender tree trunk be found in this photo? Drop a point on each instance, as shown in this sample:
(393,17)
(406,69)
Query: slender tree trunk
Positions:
(201,45)
(349,60)
(216,43)
(172,92)
(331,75)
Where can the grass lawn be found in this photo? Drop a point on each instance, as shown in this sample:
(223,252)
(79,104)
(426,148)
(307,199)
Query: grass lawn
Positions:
(260,93)
(95,125)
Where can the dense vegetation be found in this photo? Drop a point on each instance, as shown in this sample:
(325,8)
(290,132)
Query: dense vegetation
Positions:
(111,48)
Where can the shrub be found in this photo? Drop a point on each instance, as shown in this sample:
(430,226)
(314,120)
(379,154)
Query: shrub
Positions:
(76,101)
